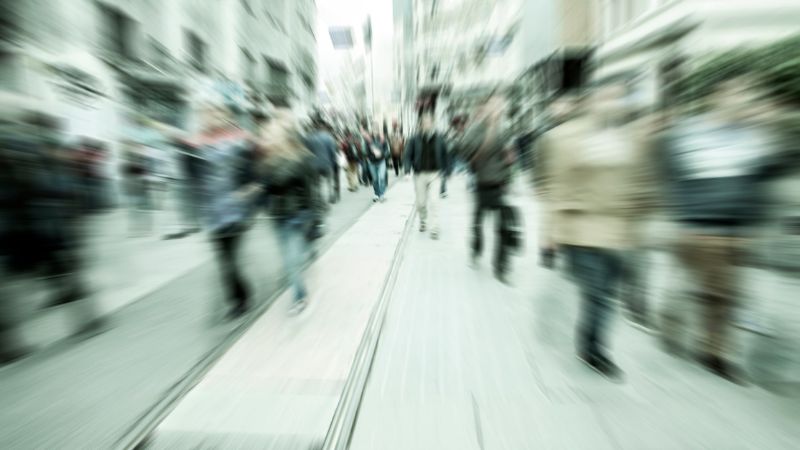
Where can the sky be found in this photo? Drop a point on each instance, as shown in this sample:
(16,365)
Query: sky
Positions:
(353,13)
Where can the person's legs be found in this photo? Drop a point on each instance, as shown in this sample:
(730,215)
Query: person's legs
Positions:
(383,178)
(227,247)
(376,179)
(337,186)
(421,194)
(596,272)
(443,187)
(293,245)
(477,226)
(396,164)
(433,203)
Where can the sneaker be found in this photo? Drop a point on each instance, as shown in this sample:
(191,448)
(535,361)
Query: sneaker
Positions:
(723,369)
(375,199)
(474,261)
(602,365)
(383,199)
(298,306)
(443,195)
(435,234)
(422,227)
(236,312)
(502,276)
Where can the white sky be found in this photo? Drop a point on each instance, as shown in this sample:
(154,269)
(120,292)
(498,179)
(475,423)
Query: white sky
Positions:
(353,13)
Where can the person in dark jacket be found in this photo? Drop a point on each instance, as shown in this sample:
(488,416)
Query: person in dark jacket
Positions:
(486,146)
(426,153)
(228,192)
(323,146)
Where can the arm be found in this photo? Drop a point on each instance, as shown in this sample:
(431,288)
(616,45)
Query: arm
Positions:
(408,155)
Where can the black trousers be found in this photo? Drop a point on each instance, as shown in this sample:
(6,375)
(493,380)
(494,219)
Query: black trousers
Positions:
(397,163)
(492,199)
(227,250)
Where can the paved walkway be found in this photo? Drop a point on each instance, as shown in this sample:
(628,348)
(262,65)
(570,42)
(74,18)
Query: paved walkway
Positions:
(465,362)
(88,394)
(279,385)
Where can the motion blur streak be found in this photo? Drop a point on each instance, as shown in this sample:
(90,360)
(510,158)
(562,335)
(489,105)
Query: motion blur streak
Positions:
(181,267)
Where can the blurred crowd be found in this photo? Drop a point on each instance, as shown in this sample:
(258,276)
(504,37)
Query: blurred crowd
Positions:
(601,170)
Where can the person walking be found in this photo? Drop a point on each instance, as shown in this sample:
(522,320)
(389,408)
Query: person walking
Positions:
(426,154)
(294,204)
(397,142)
(350,150)
(592,179)
(378,152)
(363,143)
(486,147)
(228,190)
(323,146)
(715,166)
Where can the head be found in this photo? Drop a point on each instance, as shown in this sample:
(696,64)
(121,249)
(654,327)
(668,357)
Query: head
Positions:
(426,122)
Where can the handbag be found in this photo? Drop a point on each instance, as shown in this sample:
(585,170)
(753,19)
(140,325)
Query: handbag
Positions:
(511,229)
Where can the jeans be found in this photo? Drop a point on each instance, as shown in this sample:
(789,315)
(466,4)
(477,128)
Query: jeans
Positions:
(597,272)
(227,248)
(377,171)
(489,199)
(294,249)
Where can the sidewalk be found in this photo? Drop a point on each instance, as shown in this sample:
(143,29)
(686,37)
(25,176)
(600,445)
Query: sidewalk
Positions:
(279,385)
(465,362)
(88,394)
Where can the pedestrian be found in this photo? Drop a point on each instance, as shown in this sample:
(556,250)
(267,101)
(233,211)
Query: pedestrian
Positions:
(715,165)
(592,179)
(290,173)
(137,166)
(397,142)
(229,189)
(486,147)
(42,219)
(351,154)
(426,154)
(378,152)
(363,144)
(321,143)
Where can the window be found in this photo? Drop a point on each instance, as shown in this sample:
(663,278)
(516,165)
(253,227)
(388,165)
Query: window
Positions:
(118,32)
(197,51)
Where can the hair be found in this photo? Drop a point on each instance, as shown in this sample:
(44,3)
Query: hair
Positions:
(280,138)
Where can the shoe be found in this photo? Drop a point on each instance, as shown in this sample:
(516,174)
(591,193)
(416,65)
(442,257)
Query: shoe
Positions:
(502,276)
(435,234)
(443,195)
(422,227)
(383,199)
(375,199)
(474,261)
(236,312)
(179,235)
(602,365)
(298,306)
(93,328)
(723,369)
